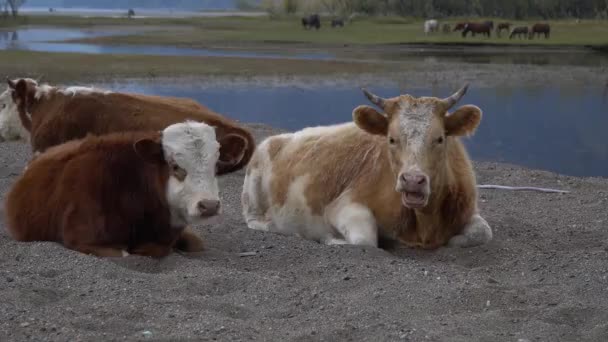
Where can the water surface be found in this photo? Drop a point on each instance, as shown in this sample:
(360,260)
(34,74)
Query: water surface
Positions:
(551,128)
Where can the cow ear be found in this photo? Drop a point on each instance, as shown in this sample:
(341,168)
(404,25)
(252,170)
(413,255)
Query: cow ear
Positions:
(11,83)
(232,149)
(21,90)
(369,120)
(463,121)
(149,150)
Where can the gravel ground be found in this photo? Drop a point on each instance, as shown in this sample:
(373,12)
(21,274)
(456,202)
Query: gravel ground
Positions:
(542,278)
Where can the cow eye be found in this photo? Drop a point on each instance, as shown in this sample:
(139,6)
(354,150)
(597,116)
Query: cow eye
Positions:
(440,140)
(178,172)
(391,141)
(3,105)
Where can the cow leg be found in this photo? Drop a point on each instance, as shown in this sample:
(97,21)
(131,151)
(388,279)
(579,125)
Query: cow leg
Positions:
(254,202)
(355,222)
(475,233)
(189,242)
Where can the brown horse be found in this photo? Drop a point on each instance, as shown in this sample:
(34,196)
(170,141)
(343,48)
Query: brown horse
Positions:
(474,28)
(538,29)
(502,26)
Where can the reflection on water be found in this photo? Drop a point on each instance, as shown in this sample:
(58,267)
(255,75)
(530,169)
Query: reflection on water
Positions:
(551,128)
(50,40)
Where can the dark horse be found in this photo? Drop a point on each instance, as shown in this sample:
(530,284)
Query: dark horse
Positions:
(337,22)
(519,31)
(474,28)
(538,29)
(311,21)
(502,26)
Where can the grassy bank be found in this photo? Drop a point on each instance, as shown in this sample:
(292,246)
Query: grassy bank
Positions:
(262,30)
(72,66)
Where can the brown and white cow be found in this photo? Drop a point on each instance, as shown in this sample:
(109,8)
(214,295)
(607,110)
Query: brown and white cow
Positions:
(402,173)
(48,116)
(121,193)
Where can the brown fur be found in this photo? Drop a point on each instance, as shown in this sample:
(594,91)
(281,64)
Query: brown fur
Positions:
(57,118)
(97,195)
(354,161)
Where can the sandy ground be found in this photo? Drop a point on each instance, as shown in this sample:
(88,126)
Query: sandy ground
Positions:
(542,278)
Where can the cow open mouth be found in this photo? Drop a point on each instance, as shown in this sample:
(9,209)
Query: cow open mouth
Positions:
(413,199)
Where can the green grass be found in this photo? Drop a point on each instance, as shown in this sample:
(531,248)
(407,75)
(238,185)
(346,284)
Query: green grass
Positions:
(259,31)
(72,66)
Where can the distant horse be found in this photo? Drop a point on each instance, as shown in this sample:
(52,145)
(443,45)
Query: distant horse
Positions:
(459,27)
(519,31)
(538,29)
(446,28)
(431,26)
(311,21)
(337,22)
(502,26)
(474,28)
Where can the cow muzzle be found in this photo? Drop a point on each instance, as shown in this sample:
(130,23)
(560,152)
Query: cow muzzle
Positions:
(414,188)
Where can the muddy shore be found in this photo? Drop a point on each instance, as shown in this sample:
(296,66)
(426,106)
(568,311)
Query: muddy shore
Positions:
(544,277)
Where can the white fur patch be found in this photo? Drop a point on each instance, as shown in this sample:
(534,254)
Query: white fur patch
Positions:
(11,128)
(194,148)
(476,233)
(77,90)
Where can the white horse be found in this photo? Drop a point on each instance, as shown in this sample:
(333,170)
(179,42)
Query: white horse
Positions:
(431,25)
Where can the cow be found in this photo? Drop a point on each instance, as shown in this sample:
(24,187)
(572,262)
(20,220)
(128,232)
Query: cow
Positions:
(337,22)
(401,173)
(52,115)
(431,26)
(538,29)
(490,23)
(120,193)
(483,28)
(311,21)
(519,31)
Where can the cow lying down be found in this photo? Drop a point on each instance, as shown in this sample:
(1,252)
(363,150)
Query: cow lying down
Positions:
(121,193)
(402,173)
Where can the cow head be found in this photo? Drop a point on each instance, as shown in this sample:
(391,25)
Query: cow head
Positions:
(11,128)
(418,133)
(191,151)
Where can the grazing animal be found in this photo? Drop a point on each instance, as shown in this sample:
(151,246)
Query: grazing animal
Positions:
(538,29)
(490,23)
(121,193)
(459,27)
(311,21)
(400,173)
(337,22)
(446,28)
(519,31)
(53,116)
(431,26)
(474,28)
(502,26)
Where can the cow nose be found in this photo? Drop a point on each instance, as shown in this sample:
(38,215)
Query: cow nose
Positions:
(414,179)
(208,207)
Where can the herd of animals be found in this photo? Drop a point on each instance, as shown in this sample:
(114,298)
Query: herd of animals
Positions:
(114,174)
(433,26)
(486,27)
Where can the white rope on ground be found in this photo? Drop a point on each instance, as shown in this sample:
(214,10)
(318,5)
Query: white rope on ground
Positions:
(520,188)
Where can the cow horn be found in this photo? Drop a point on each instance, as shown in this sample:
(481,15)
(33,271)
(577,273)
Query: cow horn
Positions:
(375,99)
(452,100)
(10,82)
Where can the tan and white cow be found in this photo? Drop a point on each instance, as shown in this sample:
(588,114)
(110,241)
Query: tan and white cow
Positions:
(402,173)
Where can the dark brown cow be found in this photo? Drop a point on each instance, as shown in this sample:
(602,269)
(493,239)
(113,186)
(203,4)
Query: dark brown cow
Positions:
(121,193)
(474,28)
(538,29)
(53,115)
